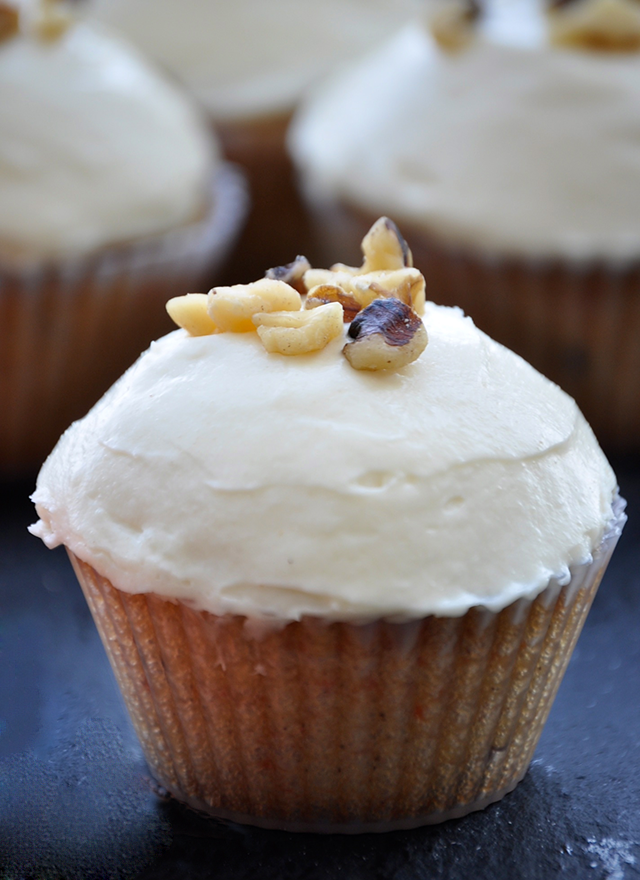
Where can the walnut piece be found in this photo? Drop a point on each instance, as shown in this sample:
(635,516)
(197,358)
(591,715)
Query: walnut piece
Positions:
(387,335)
(384,248)
(9,21)
(190,313)
(453,24)
(232,308)
(327,293)
(600,25)
(404,284)
(296,333)
(291,273)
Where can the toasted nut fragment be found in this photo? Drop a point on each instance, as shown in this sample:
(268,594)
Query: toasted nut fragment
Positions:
(315,277)
(190,313)
(600,25)
(232,308)
(453,25)
(9,21)
(407,285)
(327,293)
(291,273)
(54,20)
(294,333)
(387,335)
(384,248)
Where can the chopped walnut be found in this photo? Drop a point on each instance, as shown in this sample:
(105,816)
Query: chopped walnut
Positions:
(232,308)
(600,25)
(387,335)
(405,284)
(9,21)
(453,24)
(190,313)
(386,270)
(327,293)
(295,333)
(384,248)
(291,273)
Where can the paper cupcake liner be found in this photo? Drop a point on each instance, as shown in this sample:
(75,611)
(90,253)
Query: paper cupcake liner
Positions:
(69,329)
(341,727)
(577,323)
(278,226)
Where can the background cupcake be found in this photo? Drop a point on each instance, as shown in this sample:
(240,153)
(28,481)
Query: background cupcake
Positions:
(112,197)
(249,63)
(334,598)
(509,154)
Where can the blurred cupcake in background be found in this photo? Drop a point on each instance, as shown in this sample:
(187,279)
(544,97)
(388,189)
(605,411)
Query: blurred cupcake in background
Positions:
(249,63)
(506,141)
(112,196)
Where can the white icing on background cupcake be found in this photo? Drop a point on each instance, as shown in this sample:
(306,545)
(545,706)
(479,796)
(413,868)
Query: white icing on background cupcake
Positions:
(253,57)
(245,482)
(510,146)
(95,146)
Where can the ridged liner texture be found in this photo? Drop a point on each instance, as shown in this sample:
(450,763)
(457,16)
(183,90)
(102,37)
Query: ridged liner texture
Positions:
(578,322)
(69,328)
(341,727)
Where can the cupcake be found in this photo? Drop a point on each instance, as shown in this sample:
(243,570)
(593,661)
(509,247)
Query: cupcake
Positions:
(506,144)
(339,575)
(249,63)
(112,198)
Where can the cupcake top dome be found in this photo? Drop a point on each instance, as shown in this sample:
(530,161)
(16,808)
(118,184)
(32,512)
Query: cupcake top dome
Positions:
(95,146)
(521,136)
(251,58)
(241,480)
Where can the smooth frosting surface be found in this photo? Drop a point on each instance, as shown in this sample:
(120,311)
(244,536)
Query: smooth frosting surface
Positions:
(510,145)
(95,146)
(253,57)
(251,483)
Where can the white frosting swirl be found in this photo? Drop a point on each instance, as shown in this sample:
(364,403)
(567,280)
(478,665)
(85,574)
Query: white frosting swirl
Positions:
(95,146)
(510,146)
(250,57)
(251,483)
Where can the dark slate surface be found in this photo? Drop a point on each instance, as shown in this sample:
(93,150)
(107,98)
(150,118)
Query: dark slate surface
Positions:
(76,800)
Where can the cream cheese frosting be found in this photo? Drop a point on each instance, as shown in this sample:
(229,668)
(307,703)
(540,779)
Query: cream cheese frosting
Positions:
(510,146)
(96,147)
(251,57)
(251,483)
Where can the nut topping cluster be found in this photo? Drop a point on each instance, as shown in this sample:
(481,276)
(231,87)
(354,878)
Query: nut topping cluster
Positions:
(600,25)
(296,309)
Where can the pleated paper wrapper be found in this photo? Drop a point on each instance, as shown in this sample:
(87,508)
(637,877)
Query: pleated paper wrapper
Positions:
(336,726)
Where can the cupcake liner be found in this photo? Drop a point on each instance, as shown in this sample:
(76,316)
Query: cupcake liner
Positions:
(577,323)
(341,727)
(278,226)
(68,329)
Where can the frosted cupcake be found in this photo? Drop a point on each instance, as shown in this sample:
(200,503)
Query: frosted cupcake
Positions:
(339,569)
(249,63)
(507,147)
(112,198)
